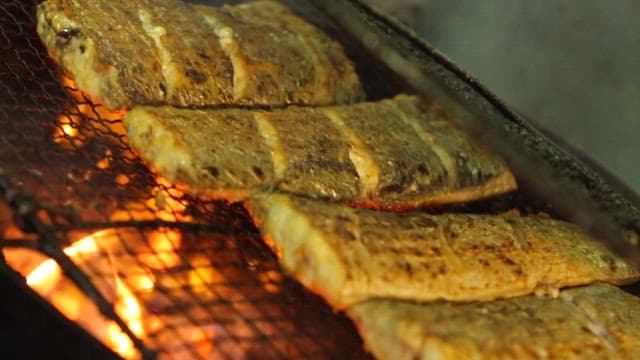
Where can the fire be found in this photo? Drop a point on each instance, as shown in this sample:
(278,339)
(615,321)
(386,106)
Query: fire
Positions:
(71,120)
(131,263)
(66,133)
(127,307)
(120,342)
(129,281)
(72,302)
(132,268)
(166,204)
(163,246)
(85,246)
(49,271)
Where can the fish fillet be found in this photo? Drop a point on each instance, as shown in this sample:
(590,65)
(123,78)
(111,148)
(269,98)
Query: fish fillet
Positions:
(593,322)
(126,53)
(389,154)
(351,255)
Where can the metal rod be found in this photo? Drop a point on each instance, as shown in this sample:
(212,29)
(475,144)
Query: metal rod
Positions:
(150,224)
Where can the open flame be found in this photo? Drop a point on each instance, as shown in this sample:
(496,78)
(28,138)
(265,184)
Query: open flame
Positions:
(136,263)
(48,275)
(155,250)
(129,288)
(69,122)
(128,307)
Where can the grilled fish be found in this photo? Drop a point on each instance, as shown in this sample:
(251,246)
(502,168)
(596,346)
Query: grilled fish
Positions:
(392,154)
(593,322)
(125,53)
(350,255)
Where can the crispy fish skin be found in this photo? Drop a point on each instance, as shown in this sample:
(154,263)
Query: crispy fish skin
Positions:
(232,153)
(376,154)
(530,327)
(126,53)
(91,45)
(351,255)
(418,153)
(305,67)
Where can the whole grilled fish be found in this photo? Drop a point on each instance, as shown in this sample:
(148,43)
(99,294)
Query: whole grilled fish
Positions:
(351,255)
(393,154)
(126,53)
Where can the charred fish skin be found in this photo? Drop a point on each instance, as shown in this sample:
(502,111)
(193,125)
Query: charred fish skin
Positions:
(530,327)
(378,154)
(126,53)
(469,163)
(232,155)
(412,151)
(242,151)
(281,58)
(314,155)
(195,69)
(74,34)
(349,255)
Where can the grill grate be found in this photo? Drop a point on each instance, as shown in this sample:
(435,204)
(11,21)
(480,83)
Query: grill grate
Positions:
(207,287)
(71,179)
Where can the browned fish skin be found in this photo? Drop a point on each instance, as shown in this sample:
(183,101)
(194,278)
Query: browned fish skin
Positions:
(232,154)
(73,34)
(528,327)
(367,154)
(304,65)
(126,53)
(350,255)
(317,155)
(469,169)
(411,166)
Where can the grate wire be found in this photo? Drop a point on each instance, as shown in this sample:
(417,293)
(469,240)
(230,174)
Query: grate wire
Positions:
(218,291)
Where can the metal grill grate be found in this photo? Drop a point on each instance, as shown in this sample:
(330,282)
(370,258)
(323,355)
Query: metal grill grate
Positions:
(71,179)
(207,287)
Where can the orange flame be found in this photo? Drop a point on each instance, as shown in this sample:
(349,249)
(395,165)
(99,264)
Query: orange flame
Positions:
(128,308)
(45,273)
(72,300)
(155,250)
(166,204)
(48,280)
(68,123)
(49,271)
(164,246)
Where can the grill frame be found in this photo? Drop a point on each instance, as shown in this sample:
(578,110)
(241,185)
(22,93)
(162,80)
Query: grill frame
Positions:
(51,215)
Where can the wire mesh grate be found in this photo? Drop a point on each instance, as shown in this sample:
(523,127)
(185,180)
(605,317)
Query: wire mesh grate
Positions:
(204,284)
(139,263)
